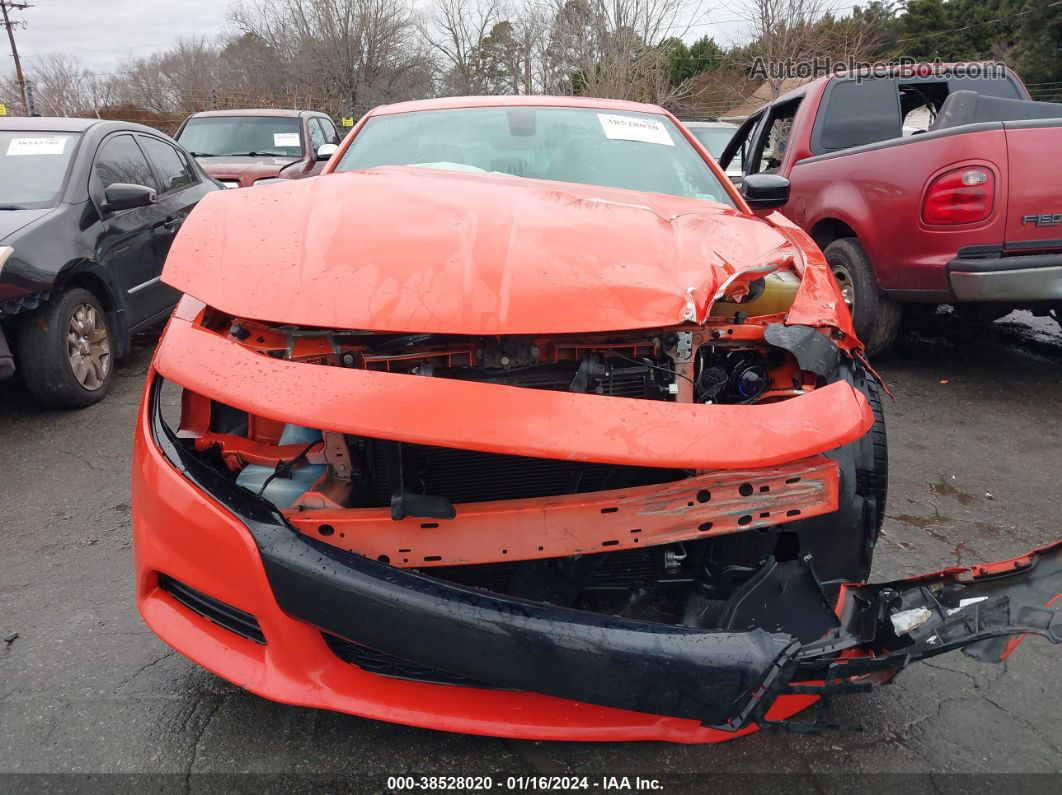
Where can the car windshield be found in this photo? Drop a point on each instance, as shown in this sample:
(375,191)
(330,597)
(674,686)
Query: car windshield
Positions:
(214,136)
(33,166)
(714,139)
(618,149)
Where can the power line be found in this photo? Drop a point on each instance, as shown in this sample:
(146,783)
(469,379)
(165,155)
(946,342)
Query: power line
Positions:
(4,6)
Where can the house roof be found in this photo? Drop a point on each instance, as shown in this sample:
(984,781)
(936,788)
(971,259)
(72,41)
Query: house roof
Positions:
(761,96)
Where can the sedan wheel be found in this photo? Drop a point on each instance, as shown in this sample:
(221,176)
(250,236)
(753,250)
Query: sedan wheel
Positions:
(65,350)
(88,347)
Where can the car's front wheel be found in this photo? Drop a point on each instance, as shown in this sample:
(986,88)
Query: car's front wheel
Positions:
(839,545)
(64,350)
(875,315)
(842,543)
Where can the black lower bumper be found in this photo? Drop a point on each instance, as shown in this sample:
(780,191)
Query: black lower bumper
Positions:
(779,631)
(513,643)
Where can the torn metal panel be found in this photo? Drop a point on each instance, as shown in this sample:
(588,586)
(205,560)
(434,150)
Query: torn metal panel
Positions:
(529,529)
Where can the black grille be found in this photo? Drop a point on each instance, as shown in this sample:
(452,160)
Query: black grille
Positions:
(227,616)
(377,662)
(488,576)
(467,476)
(617,571)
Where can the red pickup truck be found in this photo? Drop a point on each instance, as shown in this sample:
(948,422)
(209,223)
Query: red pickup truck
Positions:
(929,185)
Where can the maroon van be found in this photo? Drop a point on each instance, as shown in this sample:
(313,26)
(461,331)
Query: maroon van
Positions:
(241,147)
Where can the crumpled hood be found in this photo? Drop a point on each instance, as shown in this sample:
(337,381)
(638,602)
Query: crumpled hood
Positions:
(422,250)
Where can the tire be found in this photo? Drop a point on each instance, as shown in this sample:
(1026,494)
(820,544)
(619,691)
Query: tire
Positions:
(842,543)
(875,315)
(65,351)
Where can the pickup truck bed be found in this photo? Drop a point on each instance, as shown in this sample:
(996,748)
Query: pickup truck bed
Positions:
(969,211)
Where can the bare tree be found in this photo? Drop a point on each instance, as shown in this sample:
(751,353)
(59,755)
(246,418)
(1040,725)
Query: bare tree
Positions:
(346,54)
(785,31)
(805,32)
(456,30)
(617,48)
(59,85)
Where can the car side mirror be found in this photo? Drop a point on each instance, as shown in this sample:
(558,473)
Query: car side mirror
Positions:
(325,151)
(765,191)
(123,196)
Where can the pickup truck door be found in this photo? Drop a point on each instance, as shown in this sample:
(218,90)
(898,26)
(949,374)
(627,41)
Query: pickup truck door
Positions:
(742,142)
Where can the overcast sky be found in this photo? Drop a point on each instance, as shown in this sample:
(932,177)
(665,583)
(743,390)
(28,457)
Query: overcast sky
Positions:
(103,32)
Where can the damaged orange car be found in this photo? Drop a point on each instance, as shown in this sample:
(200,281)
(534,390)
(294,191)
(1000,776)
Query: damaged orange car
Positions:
(519,421)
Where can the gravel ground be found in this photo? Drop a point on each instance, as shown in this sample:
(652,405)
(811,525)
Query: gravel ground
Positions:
(86,688)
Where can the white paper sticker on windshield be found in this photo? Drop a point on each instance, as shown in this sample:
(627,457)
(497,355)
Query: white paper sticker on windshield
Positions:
(39,145)
(285,139)
(630,128)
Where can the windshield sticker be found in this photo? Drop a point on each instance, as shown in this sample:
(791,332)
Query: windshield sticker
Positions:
(52,145)
(285,139)
(629,128)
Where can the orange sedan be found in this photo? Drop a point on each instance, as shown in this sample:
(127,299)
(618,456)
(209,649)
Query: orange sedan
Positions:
(521,420)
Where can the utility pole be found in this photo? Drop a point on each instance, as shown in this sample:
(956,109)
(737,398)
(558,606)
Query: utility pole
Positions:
(5,5)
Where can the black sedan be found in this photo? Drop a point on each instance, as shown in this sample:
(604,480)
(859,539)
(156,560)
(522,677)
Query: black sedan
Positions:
(88,210)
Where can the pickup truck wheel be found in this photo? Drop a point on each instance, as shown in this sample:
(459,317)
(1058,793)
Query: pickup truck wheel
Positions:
(64,351)
(876,317)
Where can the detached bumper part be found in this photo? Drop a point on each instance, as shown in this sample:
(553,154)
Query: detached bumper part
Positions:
(1033,277)
(512,643)
(725,678)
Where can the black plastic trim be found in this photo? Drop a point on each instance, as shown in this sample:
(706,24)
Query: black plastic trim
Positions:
(1031,245)
(814,352)
(214,610)
(992,265)
(377,662)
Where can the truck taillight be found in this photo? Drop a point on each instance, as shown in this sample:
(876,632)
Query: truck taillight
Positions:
(962,196)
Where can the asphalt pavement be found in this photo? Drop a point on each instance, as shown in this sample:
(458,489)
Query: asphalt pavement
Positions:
(976,446)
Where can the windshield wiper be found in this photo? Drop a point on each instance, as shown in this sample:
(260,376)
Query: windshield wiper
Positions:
(257,154)
(11,207)
(203,154)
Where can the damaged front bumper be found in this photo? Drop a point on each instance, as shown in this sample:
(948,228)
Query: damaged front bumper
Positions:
(781,643)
